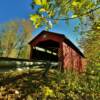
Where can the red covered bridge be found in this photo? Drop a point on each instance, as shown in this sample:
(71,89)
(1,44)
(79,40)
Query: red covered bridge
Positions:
(50,46)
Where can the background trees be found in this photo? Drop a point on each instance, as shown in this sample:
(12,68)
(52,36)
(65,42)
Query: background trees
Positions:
(90,40)
(91,46)
(14,37)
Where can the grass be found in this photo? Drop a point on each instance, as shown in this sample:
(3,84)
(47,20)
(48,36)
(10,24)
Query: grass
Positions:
(19,84)
(32,85)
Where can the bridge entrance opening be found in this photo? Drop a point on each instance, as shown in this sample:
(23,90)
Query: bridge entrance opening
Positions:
(46,50)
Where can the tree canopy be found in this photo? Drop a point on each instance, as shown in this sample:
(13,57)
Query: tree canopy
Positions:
(48,12)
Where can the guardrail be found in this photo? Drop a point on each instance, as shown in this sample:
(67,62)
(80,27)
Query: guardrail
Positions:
(15,59)
(15,63)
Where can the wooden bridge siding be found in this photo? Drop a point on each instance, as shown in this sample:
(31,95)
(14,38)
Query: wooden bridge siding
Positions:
(60,57)
(71,59)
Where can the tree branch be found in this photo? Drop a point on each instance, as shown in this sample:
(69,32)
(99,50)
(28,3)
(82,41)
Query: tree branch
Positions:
(84,14)
(89,31)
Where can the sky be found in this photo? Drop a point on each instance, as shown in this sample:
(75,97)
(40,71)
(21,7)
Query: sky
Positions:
(21,9)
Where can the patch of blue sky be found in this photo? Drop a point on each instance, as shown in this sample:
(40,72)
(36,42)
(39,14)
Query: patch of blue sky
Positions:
(21,9)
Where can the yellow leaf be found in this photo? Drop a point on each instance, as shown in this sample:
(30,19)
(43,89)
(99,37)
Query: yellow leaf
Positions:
(51,13)
(34,17)
(38,2)
(47,91)
(74,16)
(98,27)
(42,10)
(37,25)
(44,2)
(74,3)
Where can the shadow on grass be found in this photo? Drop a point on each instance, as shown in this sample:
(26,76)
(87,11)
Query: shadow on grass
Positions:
(25,83)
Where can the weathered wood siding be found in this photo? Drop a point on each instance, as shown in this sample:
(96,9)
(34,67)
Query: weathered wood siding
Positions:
(71,59)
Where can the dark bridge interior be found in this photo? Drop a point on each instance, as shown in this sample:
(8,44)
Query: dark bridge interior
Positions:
(46,50)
